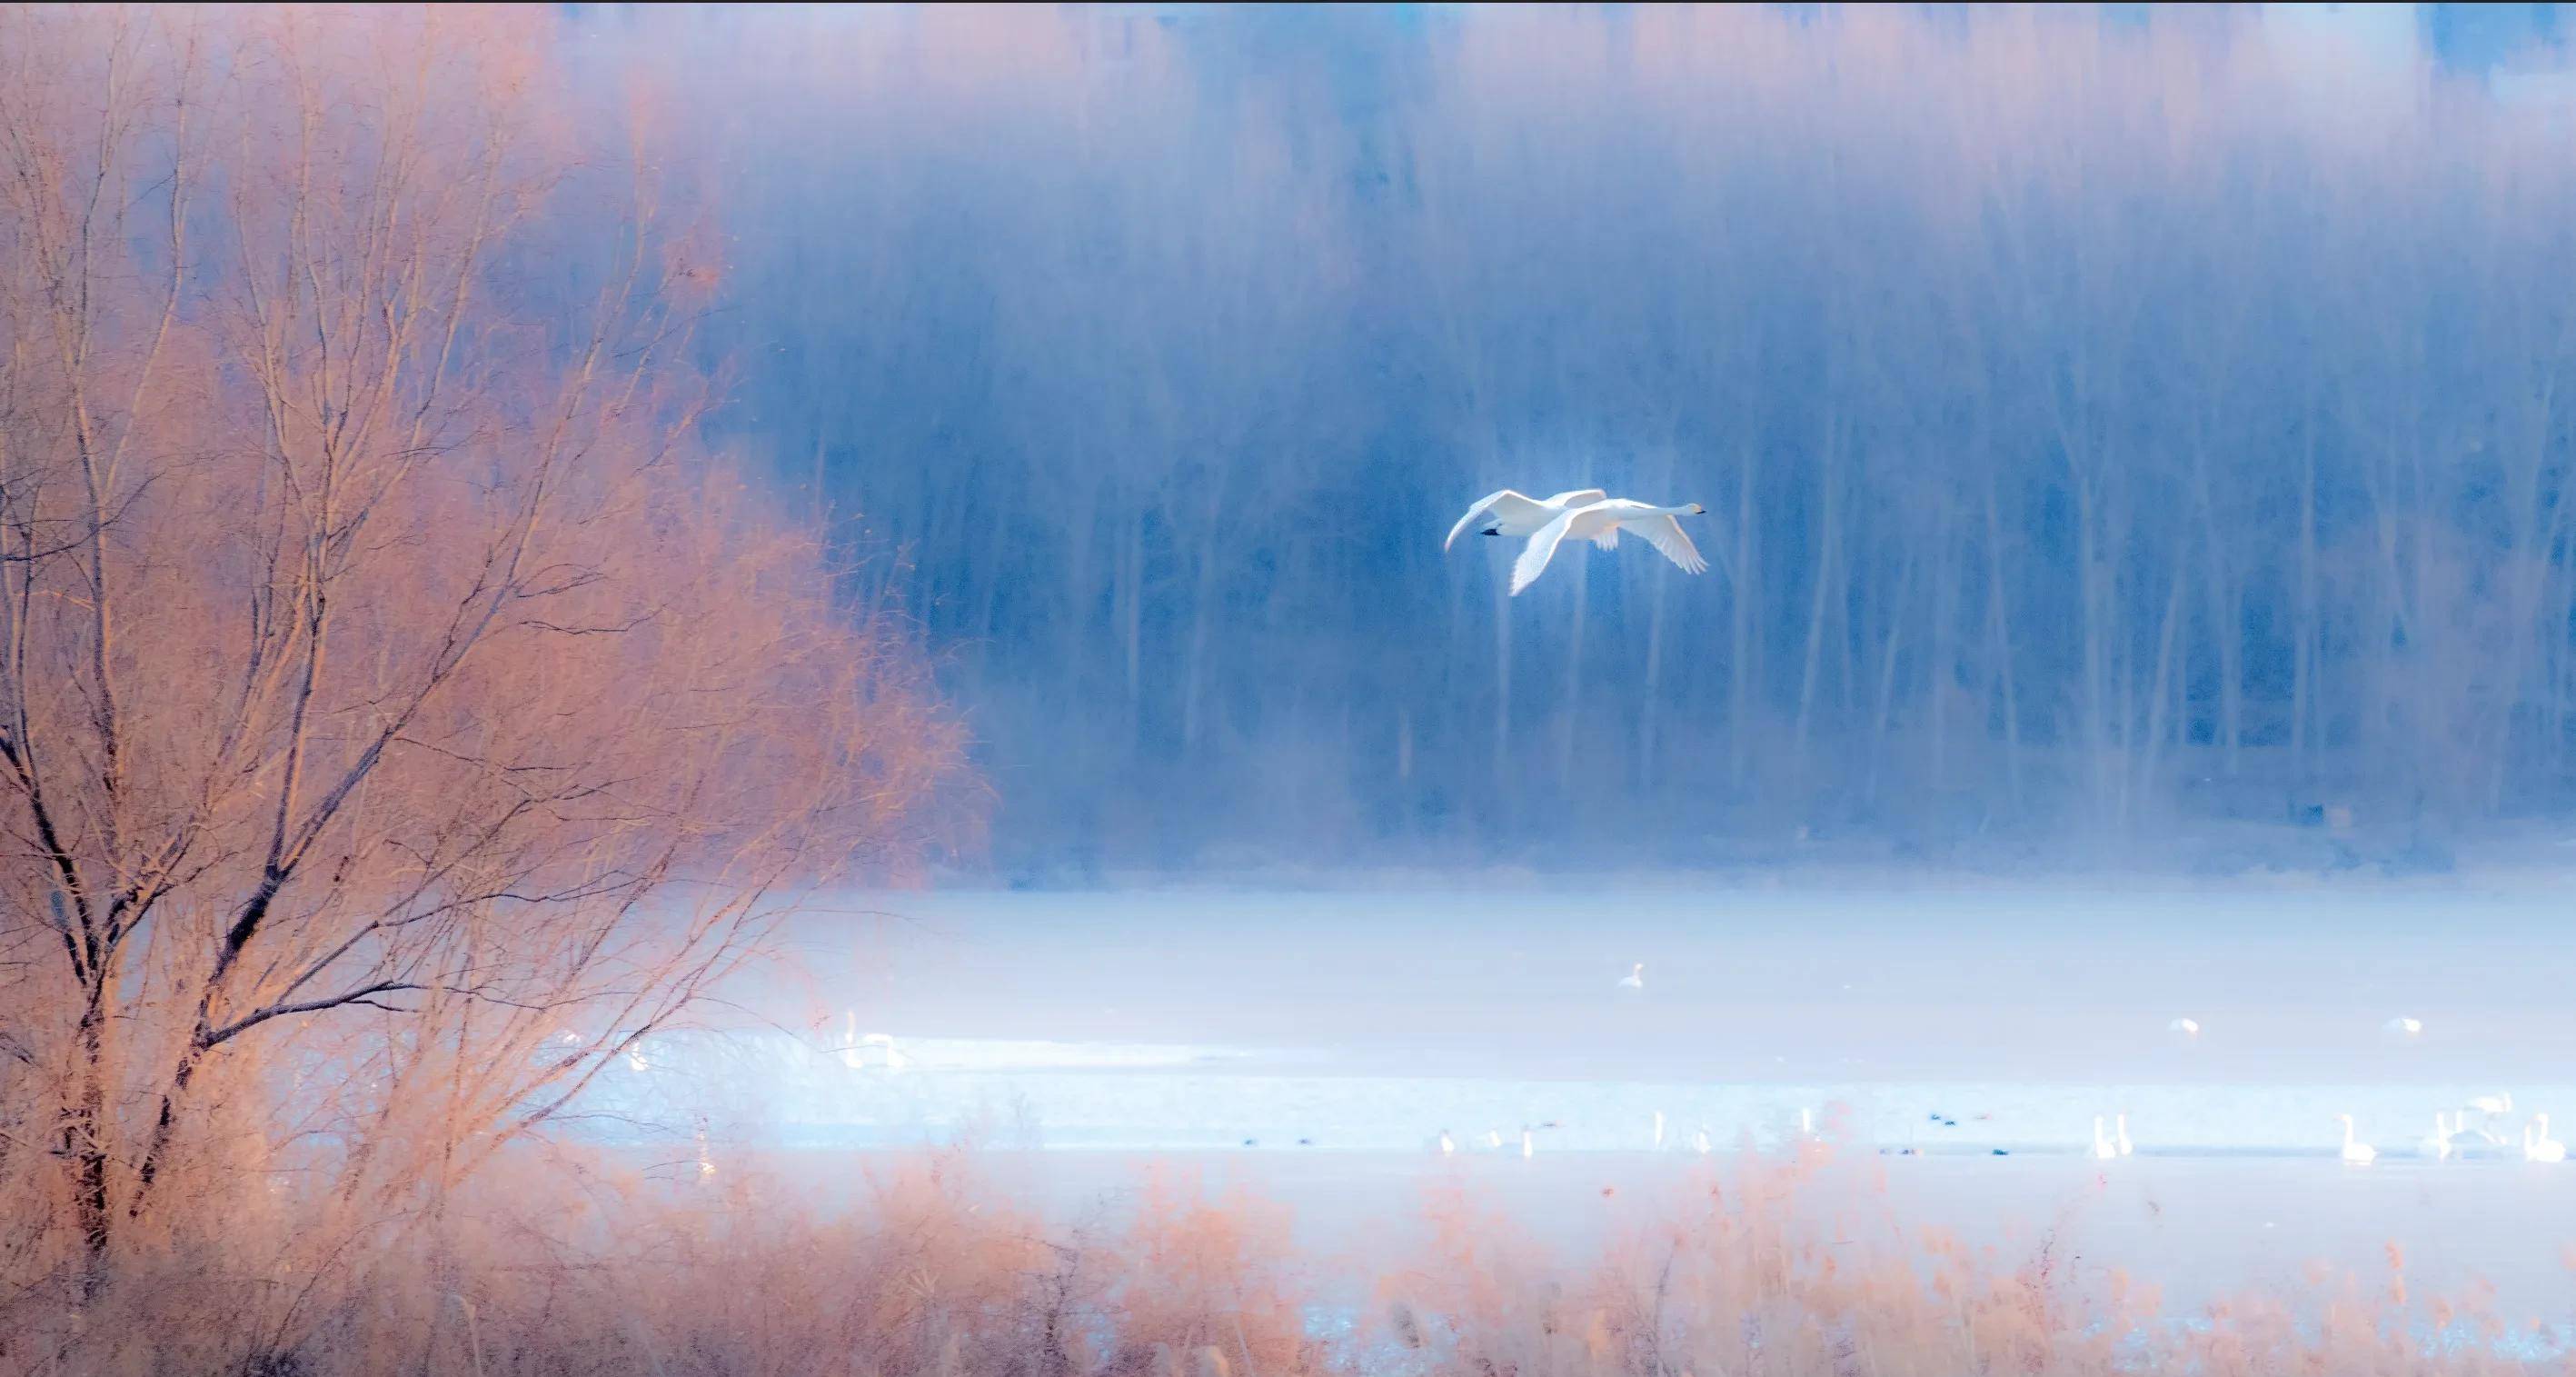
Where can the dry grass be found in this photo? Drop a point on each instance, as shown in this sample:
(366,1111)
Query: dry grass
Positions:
(576,1265)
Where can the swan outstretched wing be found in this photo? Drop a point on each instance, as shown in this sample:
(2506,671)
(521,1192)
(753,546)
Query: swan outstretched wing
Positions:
(1506,505)
(1579,497)
(1541,549)
(1665,533)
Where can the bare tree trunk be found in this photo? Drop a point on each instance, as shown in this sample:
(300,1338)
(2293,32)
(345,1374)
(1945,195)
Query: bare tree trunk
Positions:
(1203,615)
(1498,768)
(2226,621)
(1650,709)
(1743,661)
(1891,643)
(1132,581)
(1568,731)
(1942,670)
(2148,752)
(2303,659)
(1820,598)
(2000,646)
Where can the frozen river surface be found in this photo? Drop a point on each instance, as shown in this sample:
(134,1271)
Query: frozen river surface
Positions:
(1315,1044)
(1948,1020)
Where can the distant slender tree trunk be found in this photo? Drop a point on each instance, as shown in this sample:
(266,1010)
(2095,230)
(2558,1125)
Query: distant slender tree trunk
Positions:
(1202,617)
(1743,661)
(1650,710)
(2225,615)
(2148,752)
(1999,638)
(1498,769)
(2303,658)
(1079,630)
(1568,733)
(1819,602)
(1132,575)
(2092,602)
(1942,670)
(1891,644)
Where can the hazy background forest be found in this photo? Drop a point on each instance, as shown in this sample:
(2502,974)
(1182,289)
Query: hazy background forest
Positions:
(2110,419)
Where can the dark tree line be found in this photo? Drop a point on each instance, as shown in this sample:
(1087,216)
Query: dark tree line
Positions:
(2104,421)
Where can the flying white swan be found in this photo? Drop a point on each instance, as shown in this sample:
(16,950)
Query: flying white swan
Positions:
(2404,1027)
(1635,979)
(2438,1145)
(1600,523)
(1508,513)
(2188,1027)
(2358,1154)
(2122,1138)
(2542,1148)
(2103,1148)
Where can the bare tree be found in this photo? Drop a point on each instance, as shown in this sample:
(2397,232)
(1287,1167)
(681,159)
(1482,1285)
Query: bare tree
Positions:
(373,655)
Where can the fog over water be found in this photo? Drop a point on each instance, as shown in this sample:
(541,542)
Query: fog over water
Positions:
(2112,421)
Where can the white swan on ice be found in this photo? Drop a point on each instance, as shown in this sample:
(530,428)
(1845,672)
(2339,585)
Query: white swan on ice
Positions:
(2438,1144)
(2542,1148)
(854,1048)
(2356,1153)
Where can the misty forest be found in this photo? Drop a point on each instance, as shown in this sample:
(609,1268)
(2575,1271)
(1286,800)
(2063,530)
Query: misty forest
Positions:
(2105,421)
(713,690)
